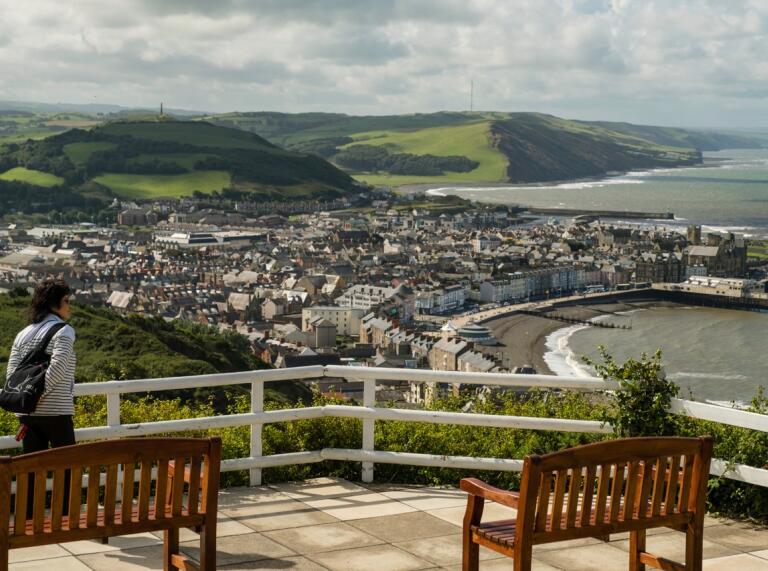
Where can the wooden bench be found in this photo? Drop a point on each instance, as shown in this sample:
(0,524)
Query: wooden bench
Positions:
(146,498)
(595,490)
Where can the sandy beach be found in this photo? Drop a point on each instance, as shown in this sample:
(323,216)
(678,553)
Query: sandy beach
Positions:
(522,338)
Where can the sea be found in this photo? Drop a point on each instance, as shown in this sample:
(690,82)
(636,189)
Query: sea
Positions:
(716,355)
(728,192)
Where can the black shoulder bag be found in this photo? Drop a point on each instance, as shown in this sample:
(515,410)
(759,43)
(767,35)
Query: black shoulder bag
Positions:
(26,385)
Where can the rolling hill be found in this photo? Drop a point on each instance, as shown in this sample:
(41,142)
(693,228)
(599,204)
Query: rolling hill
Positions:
(167,158)
(110,346)
(500,147)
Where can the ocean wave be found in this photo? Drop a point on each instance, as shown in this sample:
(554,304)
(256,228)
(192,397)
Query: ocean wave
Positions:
(712,376)
(560,359)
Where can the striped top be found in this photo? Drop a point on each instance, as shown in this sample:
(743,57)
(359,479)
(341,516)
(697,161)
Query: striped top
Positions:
(58,398)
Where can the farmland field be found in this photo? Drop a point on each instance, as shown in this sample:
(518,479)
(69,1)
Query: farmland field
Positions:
(79,153)
(149,186)
(471,140)
(38,178)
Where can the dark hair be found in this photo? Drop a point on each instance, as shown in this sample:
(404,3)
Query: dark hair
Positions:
(48,295)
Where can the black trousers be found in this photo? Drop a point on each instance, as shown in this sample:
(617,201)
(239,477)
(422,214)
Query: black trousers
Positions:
(44,432)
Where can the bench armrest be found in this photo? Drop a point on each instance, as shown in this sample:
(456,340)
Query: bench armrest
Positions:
(476,487)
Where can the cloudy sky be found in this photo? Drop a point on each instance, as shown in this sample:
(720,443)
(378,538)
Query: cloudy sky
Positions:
(672,62)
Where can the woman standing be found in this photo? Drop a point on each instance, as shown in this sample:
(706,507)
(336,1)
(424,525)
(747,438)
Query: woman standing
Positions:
(51,423)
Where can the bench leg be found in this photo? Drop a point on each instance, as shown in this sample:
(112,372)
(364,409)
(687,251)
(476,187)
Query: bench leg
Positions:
(208,547)
(694,547)
(170,548)
(636,546)
(470,556)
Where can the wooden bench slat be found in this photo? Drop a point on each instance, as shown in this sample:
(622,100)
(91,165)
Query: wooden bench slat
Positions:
(177,494)
(603,486)
(38,504)
(670,500)
(127,499)
(589,491)
(57,498)
(659,478)
(645,488)
(557,502)
(92,496)
(145,484)
(542,509)
(573,498)
(631,489)
(617,487)
(110,494)
(193,498)
(161,489)
(20,509)
(75,496)
(685,489)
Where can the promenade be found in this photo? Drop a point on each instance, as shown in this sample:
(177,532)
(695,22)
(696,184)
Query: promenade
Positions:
(331,524)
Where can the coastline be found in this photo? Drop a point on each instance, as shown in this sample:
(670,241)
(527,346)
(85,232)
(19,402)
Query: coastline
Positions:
(523,338)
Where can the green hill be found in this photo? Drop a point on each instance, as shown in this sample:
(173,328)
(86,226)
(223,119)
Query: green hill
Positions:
(479,147)
(162,158)
(109,346)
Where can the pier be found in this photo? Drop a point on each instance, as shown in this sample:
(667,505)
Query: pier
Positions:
(573,320)
(601,213)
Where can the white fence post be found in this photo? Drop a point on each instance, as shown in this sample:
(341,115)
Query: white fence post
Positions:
(257,405)
(369,427)
(113,419)
(113,409)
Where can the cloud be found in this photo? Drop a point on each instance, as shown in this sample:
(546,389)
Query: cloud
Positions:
(655,61)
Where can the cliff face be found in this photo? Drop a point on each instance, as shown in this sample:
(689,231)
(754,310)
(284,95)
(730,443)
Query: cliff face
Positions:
(539,149)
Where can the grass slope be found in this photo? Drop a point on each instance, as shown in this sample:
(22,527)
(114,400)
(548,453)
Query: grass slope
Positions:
(510,147)
(149,186)
(471,140)
(171,159)
(110,346)
(197,134)
(35,177)
(79,153)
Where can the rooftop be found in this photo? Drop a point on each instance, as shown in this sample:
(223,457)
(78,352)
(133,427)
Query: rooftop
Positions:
(334,524)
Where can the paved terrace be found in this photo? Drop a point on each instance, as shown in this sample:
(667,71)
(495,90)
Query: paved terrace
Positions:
(333,524)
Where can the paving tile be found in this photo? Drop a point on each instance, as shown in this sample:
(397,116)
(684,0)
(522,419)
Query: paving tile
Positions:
(444,550)
(569,544)
(225,527)
(317,538)
(290,563)
(319,488)
(762,553)
(35,553)
(384,557)
(403,527)
(429,498)
(240,548)
(742,562)
(491,512)
(115,543)
(229,497)
(603,556)
(672,546)
(742,537)
(69,563)
(276,511)
(357,506)
(505,564)
(126,560)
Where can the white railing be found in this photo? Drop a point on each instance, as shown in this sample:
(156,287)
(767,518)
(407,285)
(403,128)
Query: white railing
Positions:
(369,413)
